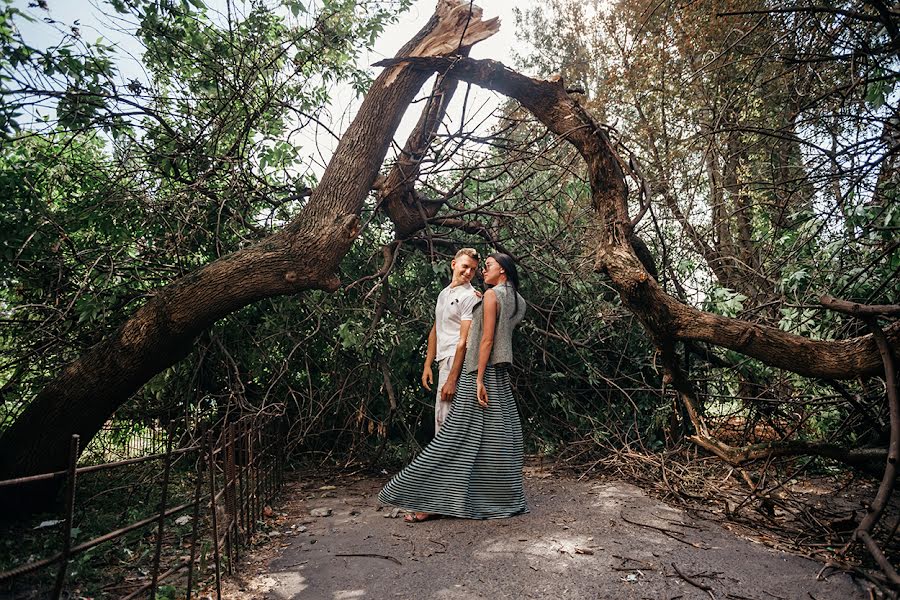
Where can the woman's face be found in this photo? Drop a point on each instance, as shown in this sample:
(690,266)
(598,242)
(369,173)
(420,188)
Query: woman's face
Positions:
(492,272)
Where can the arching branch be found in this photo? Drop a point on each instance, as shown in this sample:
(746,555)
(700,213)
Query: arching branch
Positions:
(664,317)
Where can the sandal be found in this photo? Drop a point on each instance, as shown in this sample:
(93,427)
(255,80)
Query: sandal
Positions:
(419,517)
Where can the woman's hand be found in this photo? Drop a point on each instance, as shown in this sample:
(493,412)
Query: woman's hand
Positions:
(482,395)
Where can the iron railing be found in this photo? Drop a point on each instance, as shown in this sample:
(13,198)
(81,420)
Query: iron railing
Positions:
(237,473)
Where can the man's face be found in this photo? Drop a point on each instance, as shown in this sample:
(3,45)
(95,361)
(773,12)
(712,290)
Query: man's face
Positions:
(464,269)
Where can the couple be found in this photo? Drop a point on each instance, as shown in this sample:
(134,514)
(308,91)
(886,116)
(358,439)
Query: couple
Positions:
(473,467)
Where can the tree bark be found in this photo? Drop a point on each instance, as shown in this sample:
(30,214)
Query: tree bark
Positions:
(398,197)
(304,255)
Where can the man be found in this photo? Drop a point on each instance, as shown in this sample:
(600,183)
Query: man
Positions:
(447,340)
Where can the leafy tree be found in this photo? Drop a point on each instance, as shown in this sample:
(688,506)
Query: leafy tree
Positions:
(198,156)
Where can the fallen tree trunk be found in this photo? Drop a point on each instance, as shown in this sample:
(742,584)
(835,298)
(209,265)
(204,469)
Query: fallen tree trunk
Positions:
(304,255)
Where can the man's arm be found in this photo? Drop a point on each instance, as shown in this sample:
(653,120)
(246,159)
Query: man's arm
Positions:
(449,388)
(427,376)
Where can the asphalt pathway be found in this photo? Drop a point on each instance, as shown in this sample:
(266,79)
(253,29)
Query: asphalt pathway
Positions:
(582,539)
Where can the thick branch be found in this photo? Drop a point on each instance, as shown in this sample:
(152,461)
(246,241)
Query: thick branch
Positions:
(866,459)
(860,310)
(844,359)
(476,228)
(663,316)
(398,198)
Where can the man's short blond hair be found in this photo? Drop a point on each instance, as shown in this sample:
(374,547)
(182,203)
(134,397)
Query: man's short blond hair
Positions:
(470,252)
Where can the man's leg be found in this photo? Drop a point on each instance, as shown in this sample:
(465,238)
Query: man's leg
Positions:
(441,408)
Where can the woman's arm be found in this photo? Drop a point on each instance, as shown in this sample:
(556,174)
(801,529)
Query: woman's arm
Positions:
(489,324)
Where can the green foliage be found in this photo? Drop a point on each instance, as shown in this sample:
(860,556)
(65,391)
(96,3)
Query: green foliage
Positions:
(725,302)
(129,185)
(105,501)
(769,154)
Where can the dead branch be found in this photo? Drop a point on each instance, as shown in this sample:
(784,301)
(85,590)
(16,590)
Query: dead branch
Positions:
(890,470)
(368,555)
(476,228)
(675,535)
(861,458)
(693,582)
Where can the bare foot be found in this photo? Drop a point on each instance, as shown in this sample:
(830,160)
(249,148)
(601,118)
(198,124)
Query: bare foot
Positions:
(419,517)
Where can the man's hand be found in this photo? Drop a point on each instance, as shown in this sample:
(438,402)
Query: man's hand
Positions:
(427,378)
(448,391)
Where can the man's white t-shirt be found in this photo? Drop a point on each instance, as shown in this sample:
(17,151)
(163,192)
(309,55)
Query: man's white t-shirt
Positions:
(454,305)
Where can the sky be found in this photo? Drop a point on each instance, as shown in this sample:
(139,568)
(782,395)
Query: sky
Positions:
(93,21)
(479,103)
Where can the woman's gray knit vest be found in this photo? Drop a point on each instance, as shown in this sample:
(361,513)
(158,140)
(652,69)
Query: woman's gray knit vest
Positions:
(502,350)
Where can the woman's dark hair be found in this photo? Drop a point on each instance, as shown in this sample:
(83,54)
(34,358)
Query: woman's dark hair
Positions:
(512,275)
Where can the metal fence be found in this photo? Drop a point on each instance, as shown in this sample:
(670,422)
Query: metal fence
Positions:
(121,441)
(237,470)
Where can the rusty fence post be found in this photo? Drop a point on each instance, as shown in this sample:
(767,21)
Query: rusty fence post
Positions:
(70,513)
(253,479)
(282,437)
(211,466)
(227,474)
(279,458)
(242,481)
(266,463)
(160,530)
(251,509)
(267,440)
(233,500)
(271,449)
(197,492)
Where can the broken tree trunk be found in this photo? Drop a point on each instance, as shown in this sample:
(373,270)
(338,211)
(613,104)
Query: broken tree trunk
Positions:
(304,255)
(398,198)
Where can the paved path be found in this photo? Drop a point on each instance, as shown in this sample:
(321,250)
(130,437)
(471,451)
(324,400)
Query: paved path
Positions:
(577,542)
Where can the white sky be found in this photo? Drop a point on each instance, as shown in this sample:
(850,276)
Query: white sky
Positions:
(479,104)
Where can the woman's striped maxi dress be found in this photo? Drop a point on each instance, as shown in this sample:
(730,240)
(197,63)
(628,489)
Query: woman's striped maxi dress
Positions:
(473,467)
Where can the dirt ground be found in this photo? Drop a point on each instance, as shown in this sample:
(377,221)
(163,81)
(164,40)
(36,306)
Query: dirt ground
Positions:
(582,539)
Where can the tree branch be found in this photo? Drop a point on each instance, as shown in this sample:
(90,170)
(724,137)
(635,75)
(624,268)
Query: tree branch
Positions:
(663,316)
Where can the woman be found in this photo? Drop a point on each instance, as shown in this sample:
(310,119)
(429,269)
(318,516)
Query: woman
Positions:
(473,467)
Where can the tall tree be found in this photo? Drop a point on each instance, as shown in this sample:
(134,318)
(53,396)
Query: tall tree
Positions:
(302,255)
